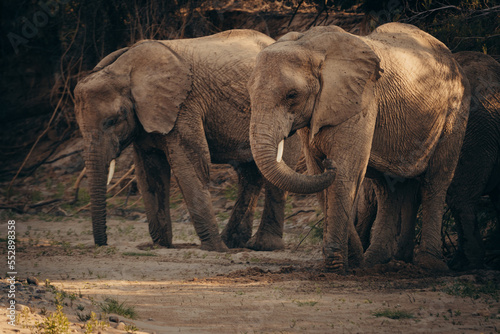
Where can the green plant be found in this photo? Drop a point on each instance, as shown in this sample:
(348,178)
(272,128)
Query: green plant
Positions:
(111,305)
(60,188)
(231,192)
(463,288)
(57,322)
(394,314)
(93,323)
(83,196)
(36,196)
(129,328)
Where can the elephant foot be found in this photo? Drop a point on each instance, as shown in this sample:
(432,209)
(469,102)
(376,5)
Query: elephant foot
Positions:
(460,262)
(265,242)
(101,240)
(376,256)
(237,239)
(211,246)
(430,262)
(335,263)
(164,242)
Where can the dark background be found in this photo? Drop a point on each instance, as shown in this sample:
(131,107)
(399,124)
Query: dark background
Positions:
(47,45)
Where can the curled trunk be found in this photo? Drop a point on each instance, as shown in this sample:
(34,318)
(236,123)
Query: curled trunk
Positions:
(265,135)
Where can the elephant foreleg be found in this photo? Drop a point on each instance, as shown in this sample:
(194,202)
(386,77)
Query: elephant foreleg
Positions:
(239,227)
(153,180)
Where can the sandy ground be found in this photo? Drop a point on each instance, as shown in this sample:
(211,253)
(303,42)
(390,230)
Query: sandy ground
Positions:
(187,290)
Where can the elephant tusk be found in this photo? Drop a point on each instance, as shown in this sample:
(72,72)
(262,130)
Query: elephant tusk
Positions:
(111,170)
(279,156)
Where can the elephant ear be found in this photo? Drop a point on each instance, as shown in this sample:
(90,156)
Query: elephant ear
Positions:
(348,72)
(109,59)
(161,82)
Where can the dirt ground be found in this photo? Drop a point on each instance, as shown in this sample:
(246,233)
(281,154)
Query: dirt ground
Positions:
(192,291)
(187,290)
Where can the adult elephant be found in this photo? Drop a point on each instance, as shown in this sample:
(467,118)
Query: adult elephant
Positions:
(182,104)
(477,174)
(395,101)
(478,170)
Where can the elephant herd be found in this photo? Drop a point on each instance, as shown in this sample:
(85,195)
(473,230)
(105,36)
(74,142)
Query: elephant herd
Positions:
(396,106)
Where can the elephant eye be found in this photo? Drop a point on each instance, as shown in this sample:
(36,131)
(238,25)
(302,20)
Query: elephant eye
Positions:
(110,122)
(292,94)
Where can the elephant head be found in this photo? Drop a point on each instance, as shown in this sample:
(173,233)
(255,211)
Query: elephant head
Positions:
(307,80)
(130,91)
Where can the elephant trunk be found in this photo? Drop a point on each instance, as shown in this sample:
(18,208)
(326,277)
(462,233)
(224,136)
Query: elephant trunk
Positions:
(266,135)
(97,173)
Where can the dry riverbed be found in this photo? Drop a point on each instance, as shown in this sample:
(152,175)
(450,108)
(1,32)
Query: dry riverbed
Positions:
(192,291)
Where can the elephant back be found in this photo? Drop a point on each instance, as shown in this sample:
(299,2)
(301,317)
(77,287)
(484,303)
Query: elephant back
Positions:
(483,73)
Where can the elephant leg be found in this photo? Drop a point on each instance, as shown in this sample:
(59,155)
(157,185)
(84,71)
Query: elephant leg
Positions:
(495,199)
(189,163)
(470,253)
(341,243)
(384,230)
(269,235)
(434,186)
(153,180)
(393,231)
(366,212)
(407,221)
(239,227)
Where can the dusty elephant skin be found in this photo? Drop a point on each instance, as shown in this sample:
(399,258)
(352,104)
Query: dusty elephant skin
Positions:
(395,102)
(477,174)
(182,104)
(478,169)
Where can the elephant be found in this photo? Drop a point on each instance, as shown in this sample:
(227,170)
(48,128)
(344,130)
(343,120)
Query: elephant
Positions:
(182,104)
(405,194)
(478,170)
(394,103)
(477,173)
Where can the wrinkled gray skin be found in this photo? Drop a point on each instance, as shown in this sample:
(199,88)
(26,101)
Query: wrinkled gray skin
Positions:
(478,170)
(361,102)
(405,197)
(477,174)
(182,104)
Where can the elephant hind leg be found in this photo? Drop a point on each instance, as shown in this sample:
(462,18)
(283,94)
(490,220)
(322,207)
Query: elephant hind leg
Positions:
(383,234)
(190,166)
(239,227)
(407,221)
(470,252)
(269,235)
(492,259)
(366,212)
